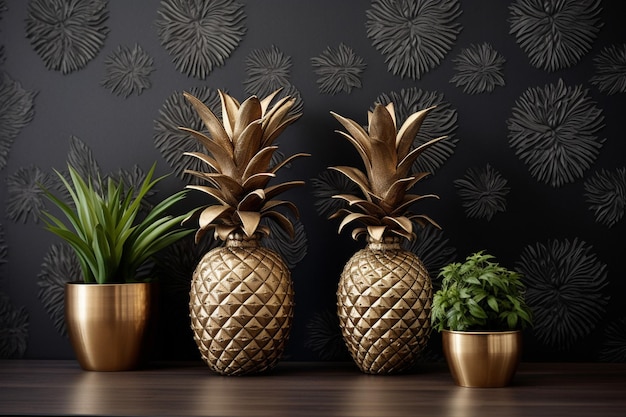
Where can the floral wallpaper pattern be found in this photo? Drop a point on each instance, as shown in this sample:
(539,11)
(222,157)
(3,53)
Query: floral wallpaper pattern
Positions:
(605,192)
(479,69)
(610,69)
(555,34)
(200,35)
(483,192)
(566,285)
(529,94)
(413,35)
(554,130)
(127,71)
(338,69)
(67,34)
(16,111)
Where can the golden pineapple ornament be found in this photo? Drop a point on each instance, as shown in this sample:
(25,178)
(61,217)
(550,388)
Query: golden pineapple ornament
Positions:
(385,293)
(241,297)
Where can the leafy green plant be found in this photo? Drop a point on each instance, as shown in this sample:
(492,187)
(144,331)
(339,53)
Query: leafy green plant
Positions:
(110,235)
(479,294)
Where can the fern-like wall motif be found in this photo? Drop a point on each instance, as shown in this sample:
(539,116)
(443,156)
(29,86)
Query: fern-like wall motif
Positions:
(554,131)
(200,35)
(555,34)
(413,35)
(173,142)
(127,71)
(338,70)
(67,34)
(610,70)
(17,109)
(605,193)
(483,192)
(565,289)
(479,69)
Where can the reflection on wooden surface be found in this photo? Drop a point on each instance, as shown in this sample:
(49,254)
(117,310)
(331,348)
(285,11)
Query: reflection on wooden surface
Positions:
(306,389)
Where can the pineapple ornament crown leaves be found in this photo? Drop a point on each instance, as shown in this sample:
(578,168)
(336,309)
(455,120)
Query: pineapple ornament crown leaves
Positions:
(388,155)
(239,165)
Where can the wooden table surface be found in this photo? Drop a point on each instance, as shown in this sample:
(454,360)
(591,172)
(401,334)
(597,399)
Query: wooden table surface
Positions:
(55,387)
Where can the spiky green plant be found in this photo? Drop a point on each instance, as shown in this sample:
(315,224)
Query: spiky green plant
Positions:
(105,227)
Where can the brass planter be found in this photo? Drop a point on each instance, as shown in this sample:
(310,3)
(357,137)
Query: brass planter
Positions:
(482,359)
(109,324)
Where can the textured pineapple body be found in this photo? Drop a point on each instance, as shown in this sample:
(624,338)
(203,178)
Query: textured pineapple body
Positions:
(241,308)
(384,300)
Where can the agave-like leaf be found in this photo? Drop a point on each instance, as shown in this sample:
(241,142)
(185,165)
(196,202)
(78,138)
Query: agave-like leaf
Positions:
(270,135)
(260,162)
(267,100)
(230,108)
(258,181)
(288,160)
(404,167)
(358,231)
(252,201)
(382,129)
(365,205)
(274,190)
(362,217)
(272,204)
(249,112)
(409,200)
(394,194)
(211,213)
(211,122)
(232,189)
(376,232)
(249,221)
(402,222)
(408,131)
(423,219)
(241,154)
(223,156)
(206,159)
(273,116)
(282,220)
(357,136)
(213,192)
(247,144)
(358,177)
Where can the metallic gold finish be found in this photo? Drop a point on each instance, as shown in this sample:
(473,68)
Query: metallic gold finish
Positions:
(241,296)
(384,300)
(241,307)
(239,162)
(388,154)
(385,294)
(482,359)
(109,324)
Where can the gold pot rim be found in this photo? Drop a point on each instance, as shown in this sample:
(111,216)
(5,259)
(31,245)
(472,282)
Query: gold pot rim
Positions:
(479,332)
(108,284)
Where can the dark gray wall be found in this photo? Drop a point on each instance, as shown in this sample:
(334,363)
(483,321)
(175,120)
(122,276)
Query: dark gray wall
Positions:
(571,258)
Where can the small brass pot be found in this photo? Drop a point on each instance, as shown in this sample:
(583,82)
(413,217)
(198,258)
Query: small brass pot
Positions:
(109,324)
(482,359)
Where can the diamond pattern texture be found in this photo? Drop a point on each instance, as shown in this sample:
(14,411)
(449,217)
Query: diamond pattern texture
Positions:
(384,300)
(241,308)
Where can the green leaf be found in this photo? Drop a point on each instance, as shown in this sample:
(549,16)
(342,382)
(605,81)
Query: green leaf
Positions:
(493,303)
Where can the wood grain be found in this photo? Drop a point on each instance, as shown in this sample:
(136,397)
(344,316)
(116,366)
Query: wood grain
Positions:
(306,389)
